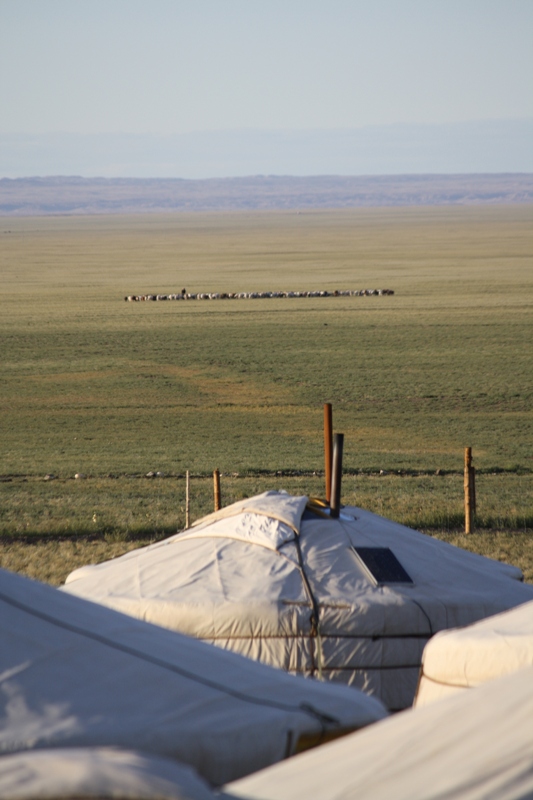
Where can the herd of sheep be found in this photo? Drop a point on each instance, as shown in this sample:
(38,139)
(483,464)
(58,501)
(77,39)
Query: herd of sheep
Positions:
(184,295)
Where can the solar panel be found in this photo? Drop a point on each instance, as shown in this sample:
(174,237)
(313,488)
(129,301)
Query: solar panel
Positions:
(382,565)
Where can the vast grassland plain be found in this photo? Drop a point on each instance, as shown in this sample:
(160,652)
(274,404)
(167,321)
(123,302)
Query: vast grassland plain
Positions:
(113,390)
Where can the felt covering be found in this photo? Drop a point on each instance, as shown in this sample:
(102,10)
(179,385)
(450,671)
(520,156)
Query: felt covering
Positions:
(97,772)
(286,588)
(475,746)
(456,660)
(77,674)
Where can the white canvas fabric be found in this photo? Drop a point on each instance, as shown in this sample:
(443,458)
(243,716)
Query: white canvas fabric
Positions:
(475,746)
(456,660)
(98,772)
(280,506)
(77,674)
(286,588)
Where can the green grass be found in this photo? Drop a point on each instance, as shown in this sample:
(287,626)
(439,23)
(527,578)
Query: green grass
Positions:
(95,385)
(126,508)
(49,528)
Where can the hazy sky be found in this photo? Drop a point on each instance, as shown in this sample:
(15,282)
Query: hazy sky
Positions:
(176,66)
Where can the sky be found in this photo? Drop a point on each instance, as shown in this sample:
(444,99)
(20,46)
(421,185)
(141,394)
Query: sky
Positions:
(87,69)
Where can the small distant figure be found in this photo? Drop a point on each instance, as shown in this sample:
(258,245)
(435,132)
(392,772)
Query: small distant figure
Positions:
(184,291)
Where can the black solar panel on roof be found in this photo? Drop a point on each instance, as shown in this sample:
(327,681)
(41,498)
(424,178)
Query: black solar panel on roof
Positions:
(382,565)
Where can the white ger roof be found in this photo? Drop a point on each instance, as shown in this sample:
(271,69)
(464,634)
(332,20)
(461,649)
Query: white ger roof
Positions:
(258,576)
(97,772)
(475,746)
(461,659)
(77,674)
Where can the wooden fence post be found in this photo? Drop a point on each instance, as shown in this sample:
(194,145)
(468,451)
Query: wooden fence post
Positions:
(469,488)
(216,489)
(328,447)
(187,500)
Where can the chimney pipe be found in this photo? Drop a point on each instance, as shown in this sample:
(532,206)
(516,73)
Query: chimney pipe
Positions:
(328,427)
(335,502)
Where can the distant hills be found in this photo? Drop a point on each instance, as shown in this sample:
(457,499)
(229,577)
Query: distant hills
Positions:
(75,195)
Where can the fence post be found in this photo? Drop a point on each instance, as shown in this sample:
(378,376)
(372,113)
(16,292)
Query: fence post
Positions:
(469,490)
(328,447)
(216,489)
(187,500)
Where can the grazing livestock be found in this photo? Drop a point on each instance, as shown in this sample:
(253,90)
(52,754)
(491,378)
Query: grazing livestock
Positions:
(184,295)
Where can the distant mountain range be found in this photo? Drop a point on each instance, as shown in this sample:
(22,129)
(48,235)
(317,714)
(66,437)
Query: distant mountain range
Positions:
(74,195)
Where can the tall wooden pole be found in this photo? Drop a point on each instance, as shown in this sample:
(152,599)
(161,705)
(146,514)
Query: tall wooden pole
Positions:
(328,447)
(216,489)
(336,478)
(468,490)
(187,500)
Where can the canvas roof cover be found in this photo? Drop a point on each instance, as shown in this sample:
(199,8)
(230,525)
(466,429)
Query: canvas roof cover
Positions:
(285,587)
(461,659)
(97,772)
(77,674)
(475,746)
